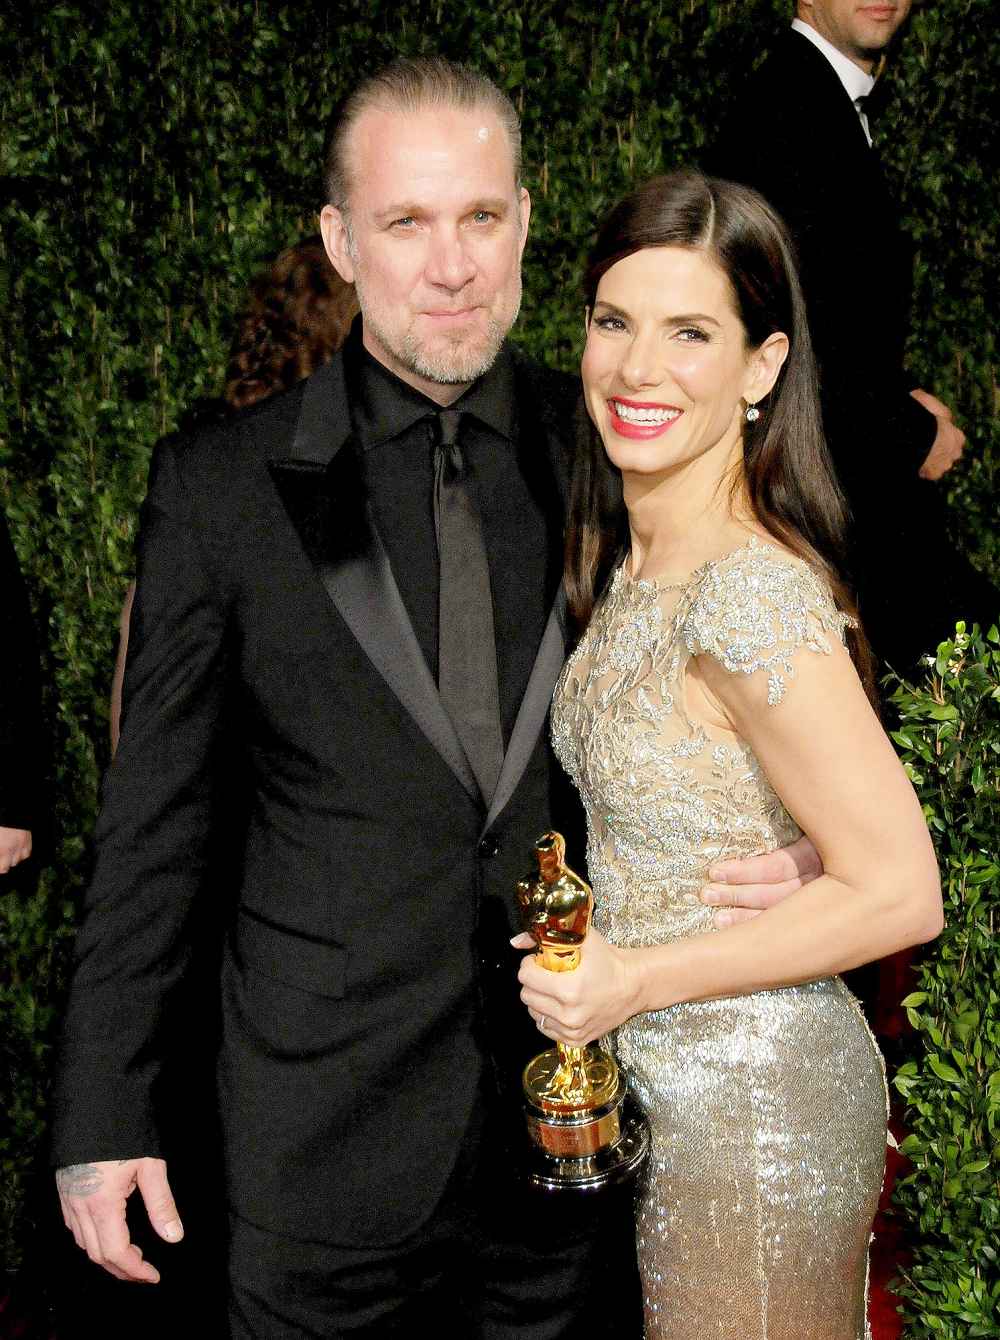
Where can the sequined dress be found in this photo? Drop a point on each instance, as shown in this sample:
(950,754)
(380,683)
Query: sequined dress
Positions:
(768,1111)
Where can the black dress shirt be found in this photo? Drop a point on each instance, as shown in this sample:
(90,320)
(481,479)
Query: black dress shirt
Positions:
(394,429)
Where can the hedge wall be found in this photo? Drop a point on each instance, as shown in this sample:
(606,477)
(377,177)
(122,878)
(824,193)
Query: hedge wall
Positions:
(155,155)
(950,735)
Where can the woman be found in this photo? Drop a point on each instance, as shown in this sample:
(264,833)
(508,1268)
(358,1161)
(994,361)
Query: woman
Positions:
(297,316)
(710,710)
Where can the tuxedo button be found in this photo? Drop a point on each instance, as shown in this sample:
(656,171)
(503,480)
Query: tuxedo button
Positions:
(488,847)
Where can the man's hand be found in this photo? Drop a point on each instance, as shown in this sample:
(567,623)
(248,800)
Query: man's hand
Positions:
(949,441)
(15,847)
(744,889)
(93,1197)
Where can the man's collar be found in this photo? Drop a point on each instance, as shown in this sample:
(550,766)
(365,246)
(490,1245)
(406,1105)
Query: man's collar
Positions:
(856,83)
(383,406)
(492,397)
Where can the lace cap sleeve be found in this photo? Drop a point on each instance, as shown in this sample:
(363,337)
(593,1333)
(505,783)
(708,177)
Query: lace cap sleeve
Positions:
(753,611)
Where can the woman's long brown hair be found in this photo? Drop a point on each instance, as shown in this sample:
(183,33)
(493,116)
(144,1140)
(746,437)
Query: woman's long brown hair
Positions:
(787,478)
(297,315)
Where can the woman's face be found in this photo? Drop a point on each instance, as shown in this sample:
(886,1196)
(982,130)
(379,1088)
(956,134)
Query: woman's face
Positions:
(666,372)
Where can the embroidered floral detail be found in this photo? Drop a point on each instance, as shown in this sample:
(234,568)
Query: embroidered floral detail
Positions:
(664,796)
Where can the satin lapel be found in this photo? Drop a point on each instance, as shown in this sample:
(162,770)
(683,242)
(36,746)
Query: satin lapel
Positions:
(552,401)
(534,708)
(323,493)
(365,592)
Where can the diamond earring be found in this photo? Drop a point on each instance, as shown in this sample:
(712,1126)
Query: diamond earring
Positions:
(753,413)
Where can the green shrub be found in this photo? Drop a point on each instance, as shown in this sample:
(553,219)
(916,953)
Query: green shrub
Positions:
(950,736)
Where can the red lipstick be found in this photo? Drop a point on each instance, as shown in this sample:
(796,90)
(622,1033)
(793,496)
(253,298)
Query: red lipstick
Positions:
(641,432)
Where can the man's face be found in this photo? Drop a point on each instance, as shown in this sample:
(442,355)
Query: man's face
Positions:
(432,240)
(861,29)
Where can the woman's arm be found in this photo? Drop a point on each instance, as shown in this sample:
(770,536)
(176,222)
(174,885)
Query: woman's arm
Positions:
(834,769)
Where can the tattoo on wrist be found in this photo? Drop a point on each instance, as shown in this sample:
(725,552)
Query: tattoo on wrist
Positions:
(79,1179)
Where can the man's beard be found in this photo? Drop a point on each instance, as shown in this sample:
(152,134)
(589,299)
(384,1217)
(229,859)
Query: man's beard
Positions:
(453,362)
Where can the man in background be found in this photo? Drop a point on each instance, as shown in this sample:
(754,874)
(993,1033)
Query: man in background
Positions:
(799,133)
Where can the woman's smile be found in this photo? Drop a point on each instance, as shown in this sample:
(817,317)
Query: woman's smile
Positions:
(640,419)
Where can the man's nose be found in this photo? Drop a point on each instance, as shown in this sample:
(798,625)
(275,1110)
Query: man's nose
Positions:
(448,262)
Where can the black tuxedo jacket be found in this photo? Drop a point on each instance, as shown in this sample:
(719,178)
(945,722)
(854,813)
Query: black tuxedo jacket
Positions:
(793,134)
(20,692)
(368,990)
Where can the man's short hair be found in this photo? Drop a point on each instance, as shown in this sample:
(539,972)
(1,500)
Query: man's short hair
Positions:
(409,85)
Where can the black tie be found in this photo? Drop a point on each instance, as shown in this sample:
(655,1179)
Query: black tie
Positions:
(863,108)
(467,654)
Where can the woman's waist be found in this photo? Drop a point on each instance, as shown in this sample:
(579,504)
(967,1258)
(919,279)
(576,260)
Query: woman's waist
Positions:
(642,868)
(660,918)
(803,1039)
(824,1006)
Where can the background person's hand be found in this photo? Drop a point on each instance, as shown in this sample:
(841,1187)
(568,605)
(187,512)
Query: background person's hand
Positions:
(949,441)
(741,890)
(93,1196)
(15,847)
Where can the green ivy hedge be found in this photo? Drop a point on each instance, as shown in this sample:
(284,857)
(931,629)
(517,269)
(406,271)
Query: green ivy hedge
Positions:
(155,155)
(950,737)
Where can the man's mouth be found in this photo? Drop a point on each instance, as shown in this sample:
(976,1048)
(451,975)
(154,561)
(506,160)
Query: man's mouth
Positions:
(449,314)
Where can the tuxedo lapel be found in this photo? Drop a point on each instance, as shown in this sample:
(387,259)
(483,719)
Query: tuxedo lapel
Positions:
(322,491)
(818,86)
(542,399)
(534,708)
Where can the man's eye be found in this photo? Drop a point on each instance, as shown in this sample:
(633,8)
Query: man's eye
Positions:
(483,216)
(406,221)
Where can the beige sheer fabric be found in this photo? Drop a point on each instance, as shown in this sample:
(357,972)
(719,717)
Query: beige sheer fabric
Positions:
(769,1110)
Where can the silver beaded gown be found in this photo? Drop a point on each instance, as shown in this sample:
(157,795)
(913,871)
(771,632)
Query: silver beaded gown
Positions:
(768,1111)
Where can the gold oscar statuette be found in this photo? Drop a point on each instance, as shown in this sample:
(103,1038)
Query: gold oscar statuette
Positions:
(587,1132)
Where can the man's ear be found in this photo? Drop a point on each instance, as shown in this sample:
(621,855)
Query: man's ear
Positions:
(765,364)
(333,227)
(524,204)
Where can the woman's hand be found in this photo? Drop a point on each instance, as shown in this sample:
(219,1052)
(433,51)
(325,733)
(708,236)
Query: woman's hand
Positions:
(577,1007)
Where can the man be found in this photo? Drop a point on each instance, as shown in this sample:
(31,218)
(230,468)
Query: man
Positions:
(799,133)
(296,580)
(20,733)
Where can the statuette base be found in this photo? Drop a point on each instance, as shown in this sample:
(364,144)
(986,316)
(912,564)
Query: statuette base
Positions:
(587,1151)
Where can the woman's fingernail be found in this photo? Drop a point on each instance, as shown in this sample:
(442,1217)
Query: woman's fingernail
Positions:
(723,919)
(717,875)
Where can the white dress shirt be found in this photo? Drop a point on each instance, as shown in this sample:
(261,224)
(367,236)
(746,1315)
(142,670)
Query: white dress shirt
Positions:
(857,84)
